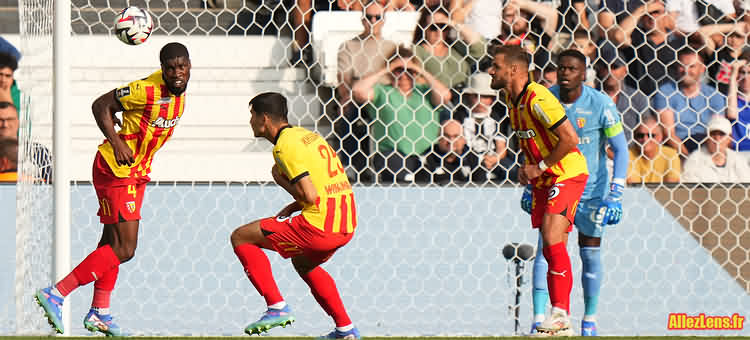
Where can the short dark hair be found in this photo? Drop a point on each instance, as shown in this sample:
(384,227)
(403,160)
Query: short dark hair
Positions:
(689,50)
(272,104)
(7,60)
(513,53)
(9,150)
(573,54)
(173,50)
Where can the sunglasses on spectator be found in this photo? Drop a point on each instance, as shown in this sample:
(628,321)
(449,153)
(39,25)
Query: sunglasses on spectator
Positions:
(436,27)
(5,105)
(641,135)
(377,17)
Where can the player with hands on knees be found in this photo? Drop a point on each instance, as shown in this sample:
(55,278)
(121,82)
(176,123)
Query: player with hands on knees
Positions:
(307,168)
(598,125)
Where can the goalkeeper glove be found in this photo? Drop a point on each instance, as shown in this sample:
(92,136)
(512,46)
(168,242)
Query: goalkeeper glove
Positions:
(526,199)
(613,204)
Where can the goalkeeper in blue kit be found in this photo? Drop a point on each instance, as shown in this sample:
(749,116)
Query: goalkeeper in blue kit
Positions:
(597,122)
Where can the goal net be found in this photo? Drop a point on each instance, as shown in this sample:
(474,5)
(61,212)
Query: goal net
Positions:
(432,223)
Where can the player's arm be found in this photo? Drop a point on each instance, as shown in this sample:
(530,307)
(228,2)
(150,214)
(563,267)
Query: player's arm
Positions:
(568,139)
(301,187)
(104,108)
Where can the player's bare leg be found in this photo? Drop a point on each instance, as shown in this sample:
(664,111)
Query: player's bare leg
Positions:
(117,246)
(591,279)
(554,231)
(247,242)
(323,288)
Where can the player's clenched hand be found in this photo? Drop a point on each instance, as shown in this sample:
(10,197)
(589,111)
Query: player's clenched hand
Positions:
(531,171)
(613,204)
(522,177)
(526,199)
(123,154)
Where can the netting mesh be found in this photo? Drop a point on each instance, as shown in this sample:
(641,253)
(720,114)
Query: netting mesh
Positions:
(435,173)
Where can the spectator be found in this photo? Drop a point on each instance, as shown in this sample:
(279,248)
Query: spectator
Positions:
(650,49)
(522,24)
(549,76)
(38,153)
(8,48)
(738,109)
(450,160)
(404,114)
(612,71)
(618,18)
(720,67)
(686,106)
(650,161)
(688,18)
(8,160)
(714,162)
(358,57)
(483,131)
(583,43)
(451,62)
(8,88)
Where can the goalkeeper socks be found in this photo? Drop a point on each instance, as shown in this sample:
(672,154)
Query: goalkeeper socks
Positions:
(324,290)
(258,270)
(559,277)
(540,295)
(93,267)
(591,278)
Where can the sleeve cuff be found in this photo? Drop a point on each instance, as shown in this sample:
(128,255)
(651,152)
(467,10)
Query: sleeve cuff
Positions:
(299,177)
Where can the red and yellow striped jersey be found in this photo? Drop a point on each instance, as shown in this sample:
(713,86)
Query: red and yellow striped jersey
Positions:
(533,118)
(150,115)
(300,152)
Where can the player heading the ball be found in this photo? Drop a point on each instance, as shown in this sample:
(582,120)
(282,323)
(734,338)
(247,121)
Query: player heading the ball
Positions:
(309,170)
(151,108)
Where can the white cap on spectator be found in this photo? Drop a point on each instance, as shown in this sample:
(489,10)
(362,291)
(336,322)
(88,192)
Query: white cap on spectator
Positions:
(479,83)
(719,123)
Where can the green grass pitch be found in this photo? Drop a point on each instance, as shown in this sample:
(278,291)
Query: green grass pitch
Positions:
(395,338)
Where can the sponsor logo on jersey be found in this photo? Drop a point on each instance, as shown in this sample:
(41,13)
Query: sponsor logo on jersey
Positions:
(122,92)
(164,100)
(165,123)
(581,122)
(526,134)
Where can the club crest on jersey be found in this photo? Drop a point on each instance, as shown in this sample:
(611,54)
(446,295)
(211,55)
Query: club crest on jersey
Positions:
(131,206)
(581,122)
(526,134)
(165,123)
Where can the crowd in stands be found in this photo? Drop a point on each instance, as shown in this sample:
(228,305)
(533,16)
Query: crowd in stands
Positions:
(677,71)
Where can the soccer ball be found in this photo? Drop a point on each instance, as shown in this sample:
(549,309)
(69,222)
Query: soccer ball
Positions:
(133,25)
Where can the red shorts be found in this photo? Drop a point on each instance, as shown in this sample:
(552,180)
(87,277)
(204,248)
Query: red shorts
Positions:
(295,236)
(120,199)
(553,197)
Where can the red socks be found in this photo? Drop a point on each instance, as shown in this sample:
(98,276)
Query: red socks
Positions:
(559,276)
(324,290)
(103,288)
(92,268)
(258,270)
